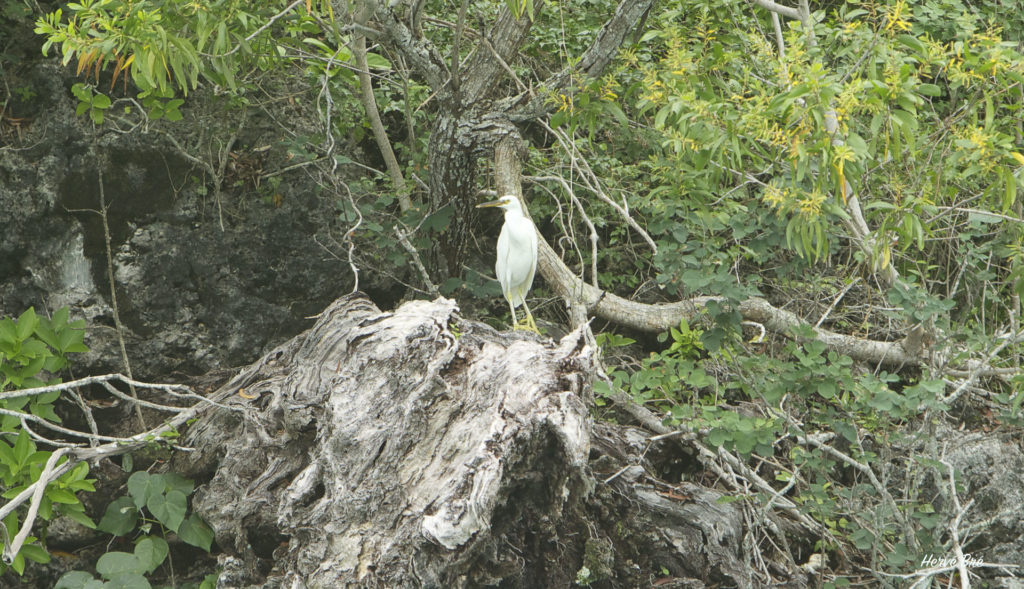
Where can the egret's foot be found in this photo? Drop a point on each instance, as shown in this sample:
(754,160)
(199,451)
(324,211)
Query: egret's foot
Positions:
(527,324)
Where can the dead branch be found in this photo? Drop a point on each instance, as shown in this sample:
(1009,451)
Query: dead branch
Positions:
(593,183)
(361,15)
(113,294)
(111,446)
(11,550)
(403,239)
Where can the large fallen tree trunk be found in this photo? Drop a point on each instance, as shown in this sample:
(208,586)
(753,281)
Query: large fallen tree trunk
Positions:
(414,448)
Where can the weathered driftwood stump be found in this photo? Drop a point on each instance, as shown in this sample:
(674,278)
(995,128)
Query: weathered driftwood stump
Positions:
(382,448)
(414,448)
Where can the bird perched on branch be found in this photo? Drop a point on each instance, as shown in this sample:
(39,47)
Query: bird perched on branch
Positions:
(517,258)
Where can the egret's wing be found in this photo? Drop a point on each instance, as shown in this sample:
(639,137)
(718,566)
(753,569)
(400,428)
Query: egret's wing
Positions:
(533,262)
(501,264)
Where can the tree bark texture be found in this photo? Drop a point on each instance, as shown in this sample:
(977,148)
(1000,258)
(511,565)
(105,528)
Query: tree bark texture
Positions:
(415,449)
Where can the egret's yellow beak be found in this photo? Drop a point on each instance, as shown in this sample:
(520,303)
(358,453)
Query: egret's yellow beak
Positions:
(493,203)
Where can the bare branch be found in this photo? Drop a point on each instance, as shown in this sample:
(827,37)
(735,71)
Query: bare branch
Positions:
(12,550)
(114,445)
(592,182)
(954,527)
(485,67)
(867,471)
(113,294)
(779,9)
(583,213)
(265,26)
(404,240)
(660,317)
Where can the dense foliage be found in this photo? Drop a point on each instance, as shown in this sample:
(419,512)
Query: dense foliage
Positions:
(860,166)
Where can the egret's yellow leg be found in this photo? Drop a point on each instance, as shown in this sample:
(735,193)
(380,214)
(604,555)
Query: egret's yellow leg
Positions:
(515,321)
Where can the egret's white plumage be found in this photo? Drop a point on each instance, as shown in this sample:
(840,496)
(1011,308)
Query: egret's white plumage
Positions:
(516,262)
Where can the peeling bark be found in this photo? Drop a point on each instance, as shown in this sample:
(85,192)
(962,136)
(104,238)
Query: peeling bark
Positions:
(385,446)
(414,448)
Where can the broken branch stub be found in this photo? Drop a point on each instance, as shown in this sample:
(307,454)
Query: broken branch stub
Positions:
(393,449)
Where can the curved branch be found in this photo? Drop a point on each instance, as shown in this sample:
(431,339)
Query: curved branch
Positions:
(661,317)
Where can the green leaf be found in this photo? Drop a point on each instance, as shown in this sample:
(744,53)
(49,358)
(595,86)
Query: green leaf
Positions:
(151,551)
(120,518)
(19,564)
(905,119)
(857,144)
(34,348)
(81,92)
(78,472)
(318,44)
(1010,195)
(8,331)
(194,531)
(47,397)
(69,337)
(101,101)
(376,61)
(27,324)
(80,517)
(74,580)
(6,454)
(60,318)
(45,332)
(12,524)
(127,581)
(143,486)
(913,43)
(61,496)
(826,388)
(35,553)
(168,509)
(45,411)
(176,482)
(23,448)
(115,563)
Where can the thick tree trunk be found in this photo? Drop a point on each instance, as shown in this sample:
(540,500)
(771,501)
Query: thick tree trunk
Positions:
(414,448)
(452,183)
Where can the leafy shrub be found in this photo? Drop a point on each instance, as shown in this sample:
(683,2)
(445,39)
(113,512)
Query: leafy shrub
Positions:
(33,350)
(160,499)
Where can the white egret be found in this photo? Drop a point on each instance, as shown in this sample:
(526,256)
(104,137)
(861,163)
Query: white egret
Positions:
(517,257)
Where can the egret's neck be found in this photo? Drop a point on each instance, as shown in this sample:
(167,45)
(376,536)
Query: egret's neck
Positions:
(513,212)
